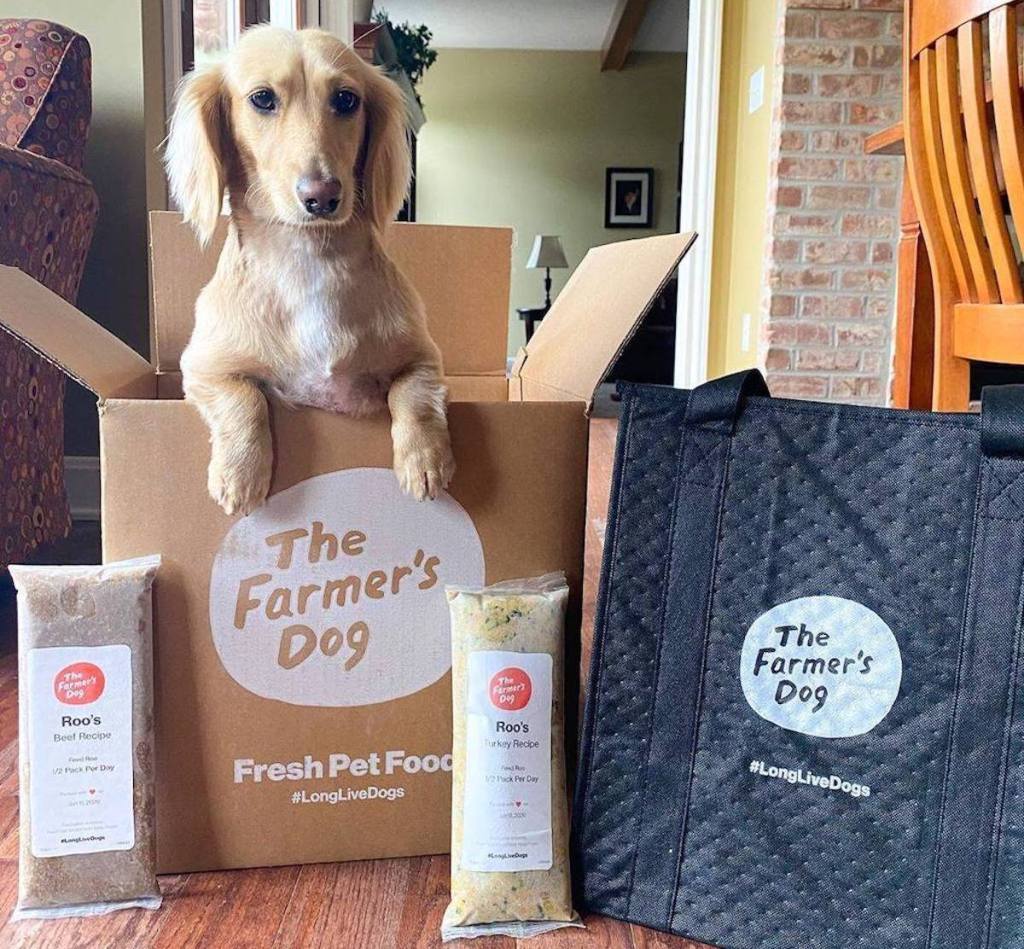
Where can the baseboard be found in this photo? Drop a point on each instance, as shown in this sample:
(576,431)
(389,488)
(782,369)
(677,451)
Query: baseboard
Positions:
(82,478)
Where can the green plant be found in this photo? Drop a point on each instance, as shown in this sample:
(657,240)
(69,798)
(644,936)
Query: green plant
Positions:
(412,44)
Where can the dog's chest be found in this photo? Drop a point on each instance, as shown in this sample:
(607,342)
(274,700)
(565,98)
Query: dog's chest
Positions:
(315,325)
(331,339)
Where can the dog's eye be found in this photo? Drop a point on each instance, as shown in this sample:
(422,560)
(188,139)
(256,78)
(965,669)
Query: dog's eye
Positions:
(344,102)
(263,100)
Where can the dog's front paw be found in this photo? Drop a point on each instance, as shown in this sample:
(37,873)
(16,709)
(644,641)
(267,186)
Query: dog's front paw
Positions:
(239,481)
(424,464)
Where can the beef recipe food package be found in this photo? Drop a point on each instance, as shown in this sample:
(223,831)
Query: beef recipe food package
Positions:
(85,684)
(510,860)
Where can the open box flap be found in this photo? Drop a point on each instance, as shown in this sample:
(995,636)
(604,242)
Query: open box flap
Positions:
(461,273)
(594,317)
(66,337)
(179,269)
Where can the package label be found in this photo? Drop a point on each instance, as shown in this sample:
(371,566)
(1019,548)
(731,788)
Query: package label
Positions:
(332,593)
(821,665)
(507,806)
(80,749)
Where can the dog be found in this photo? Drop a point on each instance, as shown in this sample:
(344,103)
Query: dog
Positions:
(311,146)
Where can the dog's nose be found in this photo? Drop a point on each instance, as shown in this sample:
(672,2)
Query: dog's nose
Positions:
(319,196)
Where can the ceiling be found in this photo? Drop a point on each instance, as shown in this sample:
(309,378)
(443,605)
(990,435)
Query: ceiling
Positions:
(537,24)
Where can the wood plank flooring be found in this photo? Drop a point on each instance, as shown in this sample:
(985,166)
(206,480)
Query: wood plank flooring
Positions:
(382,904)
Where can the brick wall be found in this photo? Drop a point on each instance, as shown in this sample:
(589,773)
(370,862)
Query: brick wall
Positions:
(833,216)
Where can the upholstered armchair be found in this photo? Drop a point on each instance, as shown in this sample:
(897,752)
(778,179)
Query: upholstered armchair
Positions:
(47,214)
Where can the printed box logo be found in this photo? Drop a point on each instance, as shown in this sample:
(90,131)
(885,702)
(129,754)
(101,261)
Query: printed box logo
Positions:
(332,593)
(821,665)
(79,683)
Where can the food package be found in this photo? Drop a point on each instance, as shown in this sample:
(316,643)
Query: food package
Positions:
(85,672)
(510,823)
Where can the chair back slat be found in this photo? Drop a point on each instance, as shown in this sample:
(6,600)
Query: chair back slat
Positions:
(982,163)
(963,123)
(938,174)
(935,18)
(1002,35)
(965,148)
(979,258)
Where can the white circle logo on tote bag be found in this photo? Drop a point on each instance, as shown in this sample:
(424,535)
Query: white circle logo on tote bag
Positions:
(332,593)
(821,665)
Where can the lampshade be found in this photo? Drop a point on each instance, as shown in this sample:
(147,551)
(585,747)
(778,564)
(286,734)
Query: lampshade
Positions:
(547,252)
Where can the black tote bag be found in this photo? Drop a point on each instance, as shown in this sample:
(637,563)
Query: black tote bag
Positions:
(804,723)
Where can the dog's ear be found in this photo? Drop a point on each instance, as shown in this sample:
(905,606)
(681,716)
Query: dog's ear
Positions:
(387,166)
(195,156)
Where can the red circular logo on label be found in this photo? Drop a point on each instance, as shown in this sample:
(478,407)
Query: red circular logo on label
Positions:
(510,689)
(79,684)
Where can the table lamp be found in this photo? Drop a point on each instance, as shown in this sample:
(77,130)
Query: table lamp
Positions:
(547,253)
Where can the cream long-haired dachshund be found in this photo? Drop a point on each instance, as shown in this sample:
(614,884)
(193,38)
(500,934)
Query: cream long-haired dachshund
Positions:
(310,144)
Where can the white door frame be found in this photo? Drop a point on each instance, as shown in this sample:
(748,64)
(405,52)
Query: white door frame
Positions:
(335,16)
(173,67)
(697,189)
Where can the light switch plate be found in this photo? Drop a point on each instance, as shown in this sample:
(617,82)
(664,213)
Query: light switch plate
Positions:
(755,91)
(745,328)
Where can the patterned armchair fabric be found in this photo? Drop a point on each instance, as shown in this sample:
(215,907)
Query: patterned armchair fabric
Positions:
(47,215)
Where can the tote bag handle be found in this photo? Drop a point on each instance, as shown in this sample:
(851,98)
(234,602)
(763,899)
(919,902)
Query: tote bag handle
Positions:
(976,883)
(716,405)
(1002,420)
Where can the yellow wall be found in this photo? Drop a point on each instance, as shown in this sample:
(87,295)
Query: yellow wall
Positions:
(115,286)
(523,138)
(741,187)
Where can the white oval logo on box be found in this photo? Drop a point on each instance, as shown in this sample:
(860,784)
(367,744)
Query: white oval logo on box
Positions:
(332,593)
(821,665)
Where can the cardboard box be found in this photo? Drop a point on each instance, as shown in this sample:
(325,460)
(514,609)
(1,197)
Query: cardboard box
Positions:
(302,660)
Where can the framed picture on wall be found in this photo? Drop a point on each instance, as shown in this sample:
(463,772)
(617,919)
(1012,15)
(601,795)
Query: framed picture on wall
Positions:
(629,197)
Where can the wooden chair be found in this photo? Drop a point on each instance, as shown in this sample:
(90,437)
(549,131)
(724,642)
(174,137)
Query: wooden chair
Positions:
(965,162)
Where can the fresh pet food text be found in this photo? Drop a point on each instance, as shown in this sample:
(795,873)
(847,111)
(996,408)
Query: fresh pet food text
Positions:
(314,769)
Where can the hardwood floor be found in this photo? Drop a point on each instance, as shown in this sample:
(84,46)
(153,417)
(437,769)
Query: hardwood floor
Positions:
(383,904)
